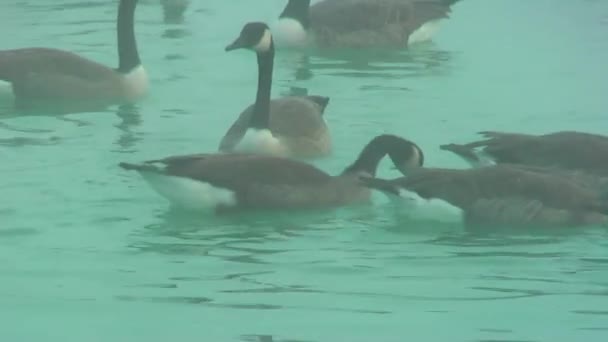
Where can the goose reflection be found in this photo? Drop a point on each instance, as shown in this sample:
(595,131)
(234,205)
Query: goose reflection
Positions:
(173,10)
(130,118)
(420,61)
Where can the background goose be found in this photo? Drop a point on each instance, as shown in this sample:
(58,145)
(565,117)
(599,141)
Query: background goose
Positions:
(510,194)
(39,75)
(291,126)
(561,150)
(248,181)
(360,23)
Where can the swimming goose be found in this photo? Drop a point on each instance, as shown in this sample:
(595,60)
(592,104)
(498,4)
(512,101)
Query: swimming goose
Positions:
(360,23)
(509,194)
(290,126)
(39,75)
(566,150)
(223,182)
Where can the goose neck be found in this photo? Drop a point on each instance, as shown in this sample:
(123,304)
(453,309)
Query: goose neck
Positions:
(128,56)
(261,111)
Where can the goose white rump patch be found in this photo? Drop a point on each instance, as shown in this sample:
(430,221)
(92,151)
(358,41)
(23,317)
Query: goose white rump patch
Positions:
(136,82)
(424,32)
(188,193)
(289,32)
(260,141)
(433,209)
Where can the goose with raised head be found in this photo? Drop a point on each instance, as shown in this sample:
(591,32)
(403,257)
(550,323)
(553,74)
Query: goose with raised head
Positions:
(47,75)
(564,150)
(511,194)
(291,126)
(225,182)
(360,23)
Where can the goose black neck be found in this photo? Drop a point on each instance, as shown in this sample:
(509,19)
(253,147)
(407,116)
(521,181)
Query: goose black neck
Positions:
(261,109)
(371,155)
(128,56)
(298,10)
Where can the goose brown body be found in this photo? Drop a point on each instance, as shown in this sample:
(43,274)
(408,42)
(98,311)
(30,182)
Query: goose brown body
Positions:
(565,150)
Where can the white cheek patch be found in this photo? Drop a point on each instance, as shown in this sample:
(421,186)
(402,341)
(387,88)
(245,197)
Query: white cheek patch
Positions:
(264,44)
(415,159)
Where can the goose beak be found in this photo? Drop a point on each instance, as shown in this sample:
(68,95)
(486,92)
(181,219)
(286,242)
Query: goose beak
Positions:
(237,44)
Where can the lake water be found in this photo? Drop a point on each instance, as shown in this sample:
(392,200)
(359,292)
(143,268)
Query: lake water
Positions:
(88,252)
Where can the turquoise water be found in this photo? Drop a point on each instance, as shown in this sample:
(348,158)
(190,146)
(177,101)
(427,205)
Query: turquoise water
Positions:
(89,253)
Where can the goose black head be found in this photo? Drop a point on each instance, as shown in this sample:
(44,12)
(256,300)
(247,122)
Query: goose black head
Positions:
(254,36)
(404,154)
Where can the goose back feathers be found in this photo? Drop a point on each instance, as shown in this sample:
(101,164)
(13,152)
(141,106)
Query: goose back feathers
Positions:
(561,150)
(290,126)
(361,23)
(223,182)
(45,75)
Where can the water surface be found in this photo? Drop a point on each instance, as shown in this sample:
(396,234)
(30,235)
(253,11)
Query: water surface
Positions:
(89,253)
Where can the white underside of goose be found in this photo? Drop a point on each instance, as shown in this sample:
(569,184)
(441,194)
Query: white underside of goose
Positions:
(434,209)
(189,193)
(135,85)
(6,91)
(425,32)
(290,32)
(136,82)
(261,141)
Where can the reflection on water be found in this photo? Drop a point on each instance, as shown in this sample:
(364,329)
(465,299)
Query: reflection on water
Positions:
(420,61)
(95,246)
(130,118)
(173,10)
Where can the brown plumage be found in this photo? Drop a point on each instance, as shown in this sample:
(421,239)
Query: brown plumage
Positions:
(505,192)
(295,120)
(252,181)
(291,126)
(564,150)
(41,76)
(367,23)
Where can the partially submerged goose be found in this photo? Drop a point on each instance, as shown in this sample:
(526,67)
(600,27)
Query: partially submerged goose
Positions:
(43,75)
(564,150)
(360,23)
(500,194)
(290,126)
(220,182)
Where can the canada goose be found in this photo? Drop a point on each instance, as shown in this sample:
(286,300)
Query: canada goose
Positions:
(511,194)
(289,127)
(561,150)
(38,75)
(221,182)
(360,23)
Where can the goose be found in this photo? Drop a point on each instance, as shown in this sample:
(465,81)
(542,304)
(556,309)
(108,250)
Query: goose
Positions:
(359,23)
(291,126)
(226,182)
(502,194)
(40,75)
(563,150)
